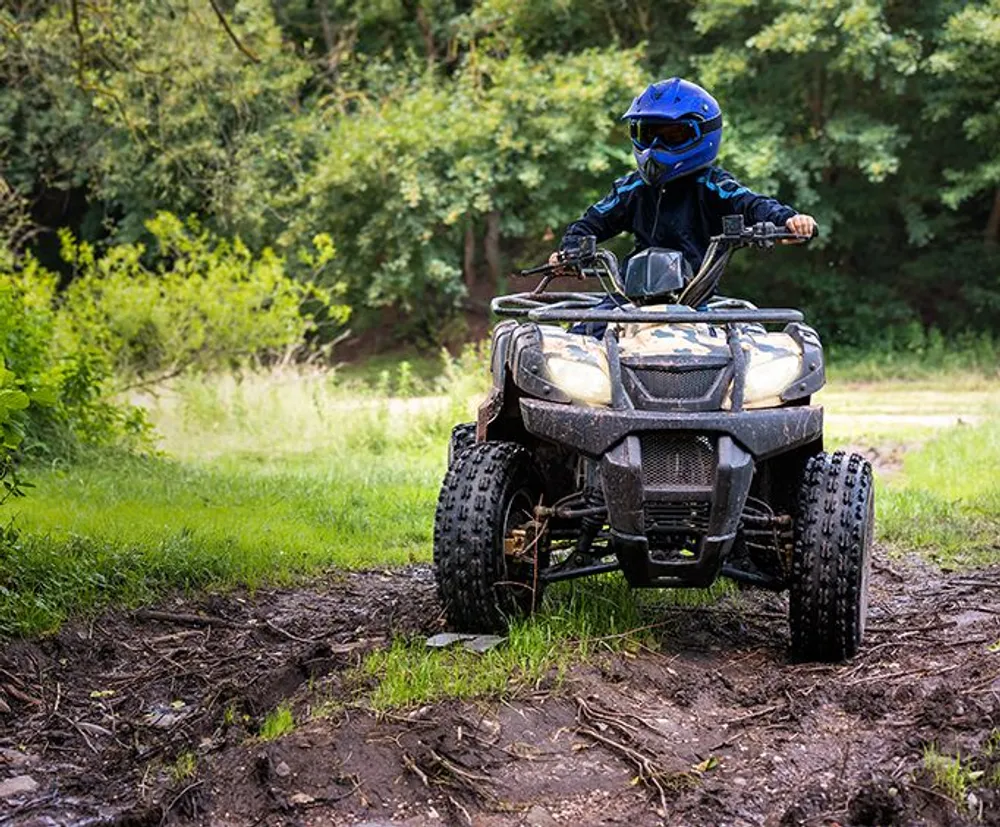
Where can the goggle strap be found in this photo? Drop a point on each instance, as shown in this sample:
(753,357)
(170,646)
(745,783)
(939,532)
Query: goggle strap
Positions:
(711,124)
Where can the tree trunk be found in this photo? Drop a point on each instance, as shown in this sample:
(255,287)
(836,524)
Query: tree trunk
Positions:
(328,40)
(428,34)
(993,222)
(491,246)
(469,258)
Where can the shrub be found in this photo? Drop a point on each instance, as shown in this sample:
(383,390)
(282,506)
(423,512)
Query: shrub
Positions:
(132,315)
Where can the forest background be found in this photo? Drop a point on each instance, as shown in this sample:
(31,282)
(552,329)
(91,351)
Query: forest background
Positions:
(185,181)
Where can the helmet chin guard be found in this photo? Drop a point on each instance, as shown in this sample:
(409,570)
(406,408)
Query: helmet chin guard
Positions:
(674,102)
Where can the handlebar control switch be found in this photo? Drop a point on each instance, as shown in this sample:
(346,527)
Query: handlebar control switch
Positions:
(732,225)
(580,247)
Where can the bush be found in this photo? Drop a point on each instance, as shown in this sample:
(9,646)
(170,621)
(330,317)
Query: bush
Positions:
(134,315)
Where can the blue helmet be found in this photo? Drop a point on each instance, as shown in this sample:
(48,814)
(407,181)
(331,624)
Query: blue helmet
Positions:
(676,128)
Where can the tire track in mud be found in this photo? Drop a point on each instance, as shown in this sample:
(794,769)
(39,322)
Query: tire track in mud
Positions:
(715,727)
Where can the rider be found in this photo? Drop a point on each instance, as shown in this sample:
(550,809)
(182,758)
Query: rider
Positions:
(677,197)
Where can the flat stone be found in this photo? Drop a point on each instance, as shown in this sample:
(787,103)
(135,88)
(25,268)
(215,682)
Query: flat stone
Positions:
(483,643)
(445,639)
(538,816)
(18,785)
(301,799)
(282,770)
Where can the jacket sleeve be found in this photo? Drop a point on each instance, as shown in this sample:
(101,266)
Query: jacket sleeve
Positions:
(605,219)
(727,196)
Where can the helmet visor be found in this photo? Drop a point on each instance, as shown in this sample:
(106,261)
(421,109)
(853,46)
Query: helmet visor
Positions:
(675,134)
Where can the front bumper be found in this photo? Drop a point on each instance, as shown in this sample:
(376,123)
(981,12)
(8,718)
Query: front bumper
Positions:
(681,473)
(592,431)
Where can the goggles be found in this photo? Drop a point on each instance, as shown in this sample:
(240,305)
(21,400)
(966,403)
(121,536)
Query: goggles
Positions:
(670,134)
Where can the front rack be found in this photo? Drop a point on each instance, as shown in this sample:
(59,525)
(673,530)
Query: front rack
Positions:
(582,307)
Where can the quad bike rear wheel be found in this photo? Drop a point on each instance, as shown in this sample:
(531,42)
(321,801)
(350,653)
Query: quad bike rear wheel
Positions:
(831,563)
(486,542)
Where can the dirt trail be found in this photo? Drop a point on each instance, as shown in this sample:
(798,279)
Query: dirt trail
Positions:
(717,726)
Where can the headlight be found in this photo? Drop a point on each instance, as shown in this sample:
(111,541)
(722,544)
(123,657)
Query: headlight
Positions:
(580,381)
(767,380)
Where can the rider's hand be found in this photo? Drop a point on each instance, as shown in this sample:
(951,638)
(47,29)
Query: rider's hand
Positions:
(804,225)
(556,261)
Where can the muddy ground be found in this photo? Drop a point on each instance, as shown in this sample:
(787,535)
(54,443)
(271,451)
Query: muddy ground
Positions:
(714,728)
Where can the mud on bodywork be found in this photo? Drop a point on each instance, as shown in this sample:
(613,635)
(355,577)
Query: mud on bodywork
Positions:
(547,362)
(780,367)
(522,363)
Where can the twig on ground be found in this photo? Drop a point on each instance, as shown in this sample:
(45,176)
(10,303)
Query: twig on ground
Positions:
(411,765)
(186,619)
(648,774)
(169,808)
(288,634)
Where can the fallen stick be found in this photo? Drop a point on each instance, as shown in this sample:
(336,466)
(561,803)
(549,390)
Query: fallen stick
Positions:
(185,619)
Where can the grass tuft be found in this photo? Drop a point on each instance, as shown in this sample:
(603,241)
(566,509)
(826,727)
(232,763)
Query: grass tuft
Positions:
(576,621)
(185,766)
(278,722)
(948,775)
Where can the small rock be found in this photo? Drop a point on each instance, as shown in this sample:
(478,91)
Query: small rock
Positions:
(301,799)
(538,816)
(445,639)
(18,785)
(483,643)
(282,770)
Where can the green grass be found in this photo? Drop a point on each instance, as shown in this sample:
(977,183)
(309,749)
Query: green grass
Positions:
(126,531)
(277,476)
(263,479)
(948,775)
(914,354)
(946,501)
(185,767)
(576,620)
(280,721)
(956,777)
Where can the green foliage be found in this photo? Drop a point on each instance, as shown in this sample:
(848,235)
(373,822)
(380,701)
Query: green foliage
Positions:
(408,176)
(129,315)
(55,389)
(205,303)
(440,142)
(149,99)
(967,64)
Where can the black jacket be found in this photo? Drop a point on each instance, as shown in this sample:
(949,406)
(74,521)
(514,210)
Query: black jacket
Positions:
(682,216)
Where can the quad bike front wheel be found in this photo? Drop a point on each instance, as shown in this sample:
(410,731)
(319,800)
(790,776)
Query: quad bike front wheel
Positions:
(828,597)
(462,436)
(487,545)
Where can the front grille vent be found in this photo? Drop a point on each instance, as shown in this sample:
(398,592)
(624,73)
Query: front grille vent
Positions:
(676,518)
(671,383)
(678,461)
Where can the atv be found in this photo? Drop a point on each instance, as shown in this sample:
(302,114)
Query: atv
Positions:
(667,434)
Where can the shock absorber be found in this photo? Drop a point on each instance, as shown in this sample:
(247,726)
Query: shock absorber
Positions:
(592,522)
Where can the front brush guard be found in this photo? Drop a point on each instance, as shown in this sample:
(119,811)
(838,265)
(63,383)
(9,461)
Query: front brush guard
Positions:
(741,439)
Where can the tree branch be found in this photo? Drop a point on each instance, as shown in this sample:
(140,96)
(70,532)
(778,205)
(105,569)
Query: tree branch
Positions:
(75,9)
(230,32)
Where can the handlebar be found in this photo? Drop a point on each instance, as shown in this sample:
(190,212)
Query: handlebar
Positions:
(582,257)
(762,234)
